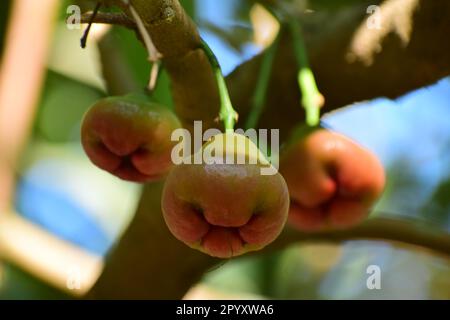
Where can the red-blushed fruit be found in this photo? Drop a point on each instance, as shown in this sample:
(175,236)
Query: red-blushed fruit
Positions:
(129,137)
(225,210)
(332,181)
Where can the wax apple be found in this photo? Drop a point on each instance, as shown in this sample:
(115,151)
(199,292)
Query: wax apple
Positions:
(129,137)
(225,209)
(333,182)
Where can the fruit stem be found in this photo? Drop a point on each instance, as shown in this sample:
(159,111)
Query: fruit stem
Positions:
(227,113)
(261,86)
(312,99)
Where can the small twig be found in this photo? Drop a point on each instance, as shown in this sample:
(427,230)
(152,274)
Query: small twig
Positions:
(154,73)
(154,55)
(389,229)
(122,19)
(261,86)
(91,21)
(312,99)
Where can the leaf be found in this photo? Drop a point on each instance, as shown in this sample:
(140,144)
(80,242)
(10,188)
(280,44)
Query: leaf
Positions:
(17,284)
(62,106)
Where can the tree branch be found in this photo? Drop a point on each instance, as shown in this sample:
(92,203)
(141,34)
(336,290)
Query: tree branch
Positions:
(342,71)
(400,231)
(343,77)
(148,262)
(119,19)
(176,37)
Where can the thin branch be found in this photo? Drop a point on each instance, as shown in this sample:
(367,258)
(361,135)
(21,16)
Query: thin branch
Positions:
(119,19)
(88,29)
(400,231)
(154,56)
(148,262)
(175,36)
(165,268)
(259,96)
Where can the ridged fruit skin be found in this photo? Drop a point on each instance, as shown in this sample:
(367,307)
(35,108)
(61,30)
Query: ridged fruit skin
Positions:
(225,210)
(333,182)
(129,137)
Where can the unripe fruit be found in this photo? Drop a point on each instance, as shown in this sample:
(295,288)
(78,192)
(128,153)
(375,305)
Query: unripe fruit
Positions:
(225,210)
(333,182)
(129,137)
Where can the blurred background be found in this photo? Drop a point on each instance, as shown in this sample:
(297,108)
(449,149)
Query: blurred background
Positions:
(58,192)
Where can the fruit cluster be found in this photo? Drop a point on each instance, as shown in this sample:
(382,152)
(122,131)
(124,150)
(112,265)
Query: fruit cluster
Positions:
(326,181)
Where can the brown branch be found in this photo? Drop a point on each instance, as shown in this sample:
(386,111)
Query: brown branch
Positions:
(398,68)
(148,262)
(343,76)
(400,231)
(176,37)
(119,19)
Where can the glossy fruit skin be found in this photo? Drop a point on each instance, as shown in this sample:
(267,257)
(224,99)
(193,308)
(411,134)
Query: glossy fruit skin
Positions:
(333,182)
(129,137)
(224,210)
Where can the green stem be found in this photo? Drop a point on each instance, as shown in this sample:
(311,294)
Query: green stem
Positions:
(261,86)
(227,114)
(311,97)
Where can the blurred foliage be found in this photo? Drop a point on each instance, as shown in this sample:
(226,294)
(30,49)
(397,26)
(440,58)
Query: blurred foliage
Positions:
(233,28)
(334,4)
(299,270)
(63,103)
(16,284)
(234,35)
(437,208)
(62,14)
(134,53)
(136,60)
(189,6)
(402,186)
(317,271)
(318,4)
(242,275)
(60,189)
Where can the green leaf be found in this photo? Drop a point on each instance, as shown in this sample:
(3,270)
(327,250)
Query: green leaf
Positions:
(15,284)
(62,107)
